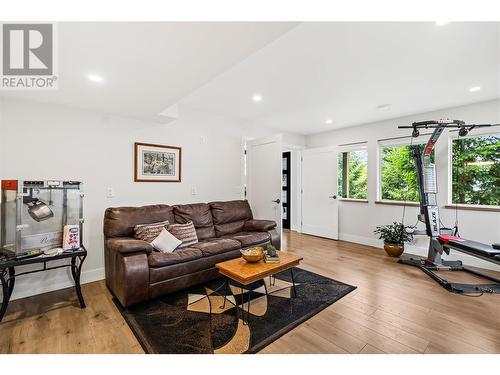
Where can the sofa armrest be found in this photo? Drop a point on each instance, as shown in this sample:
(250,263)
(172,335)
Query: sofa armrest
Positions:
(128,245)
(127,276)
(259,225)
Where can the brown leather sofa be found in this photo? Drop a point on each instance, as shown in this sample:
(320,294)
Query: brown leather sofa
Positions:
(136,273)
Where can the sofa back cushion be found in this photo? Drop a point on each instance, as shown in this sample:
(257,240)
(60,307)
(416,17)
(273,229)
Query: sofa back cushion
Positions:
(120,221)
(200,215)
(229,217)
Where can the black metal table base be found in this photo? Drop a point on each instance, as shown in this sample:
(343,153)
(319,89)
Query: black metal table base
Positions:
(272,282)
(8,274)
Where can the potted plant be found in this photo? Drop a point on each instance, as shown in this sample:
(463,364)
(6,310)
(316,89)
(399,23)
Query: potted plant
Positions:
(271,251)
(394,236)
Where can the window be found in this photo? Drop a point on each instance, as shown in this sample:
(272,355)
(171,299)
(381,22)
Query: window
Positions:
(353,174)
(475,170)
(398,180)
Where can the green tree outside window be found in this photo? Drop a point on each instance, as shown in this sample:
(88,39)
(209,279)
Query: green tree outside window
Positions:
(353,174)
(399,178)
(476,170)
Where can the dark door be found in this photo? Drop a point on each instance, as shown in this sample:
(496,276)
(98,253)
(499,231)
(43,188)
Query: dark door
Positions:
(286,201)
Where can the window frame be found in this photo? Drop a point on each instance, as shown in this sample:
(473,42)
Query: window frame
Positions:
(358,146)
(393,142)
(453,135)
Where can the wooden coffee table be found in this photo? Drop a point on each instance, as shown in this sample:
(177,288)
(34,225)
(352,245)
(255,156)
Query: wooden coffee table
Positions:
(246,273)
(243,273)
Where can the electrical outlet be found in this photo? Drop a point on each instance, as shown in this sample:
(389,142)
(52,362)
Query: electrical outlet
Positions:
(110,192)
(194,191)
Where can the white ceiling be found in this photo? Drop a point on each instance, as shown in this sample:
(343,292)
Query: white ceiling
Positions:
(146,67)
(306,73)
(343,71)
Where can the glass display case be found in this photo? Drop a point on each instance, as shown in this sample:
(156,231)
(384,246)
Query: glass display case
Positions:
(34,213)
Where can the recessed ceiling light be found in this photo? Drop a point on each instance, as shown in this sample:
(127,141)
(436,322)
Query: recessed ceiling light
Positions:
(95,78)
(384,107)
(329,121)
(257,98)
(474,89)
(442,23)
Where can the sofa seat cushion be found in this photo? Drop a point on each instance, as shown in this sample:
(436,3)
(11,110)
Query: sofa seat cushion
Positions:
(179,256)
(162,274)
(249,238)
(217,246)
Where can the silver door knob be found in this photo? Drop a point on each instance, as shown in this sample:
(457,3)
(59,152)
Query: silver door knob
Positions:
(333,196)
(277,201)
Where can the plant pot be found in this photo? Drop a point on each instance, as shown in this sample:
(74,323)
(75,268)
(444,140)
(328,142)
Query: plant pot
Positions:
(394,249)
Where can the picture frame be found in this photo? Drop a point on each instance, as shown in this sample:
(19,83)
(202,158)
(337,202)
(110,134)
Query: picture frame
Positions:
(157,163)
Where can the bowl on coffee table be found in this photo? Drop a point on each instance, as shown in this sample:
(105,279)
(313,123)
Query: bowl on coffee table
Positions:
(253,255)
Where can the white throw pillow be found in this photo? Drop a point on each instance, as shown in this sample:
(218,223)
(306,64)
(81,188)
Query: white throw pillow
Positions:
(166,242)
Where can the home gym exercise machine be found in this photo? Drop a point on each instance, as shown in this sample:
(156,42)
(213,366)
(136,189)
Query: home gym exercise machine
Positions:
(443,239)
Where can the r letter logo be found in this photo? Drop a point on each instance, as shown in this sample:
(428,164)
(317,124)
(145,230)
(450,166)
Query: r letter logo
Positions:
(28,57)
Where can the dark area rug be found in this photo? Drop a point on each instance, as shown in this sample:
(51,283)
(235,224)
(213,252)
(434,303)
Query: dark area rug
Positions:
(200,320)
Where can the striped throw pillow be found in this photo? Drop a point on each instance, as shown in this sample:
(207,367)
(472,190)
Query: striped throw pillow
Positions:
(184,232)
(148,232)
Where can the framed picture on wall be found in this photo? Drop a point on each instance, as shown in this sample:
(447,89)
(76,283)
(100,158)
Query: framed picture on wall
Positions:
(157,163)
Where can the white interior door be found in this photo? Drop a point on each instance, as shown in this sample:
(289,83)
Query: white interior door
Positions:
(320,215)
(264,178)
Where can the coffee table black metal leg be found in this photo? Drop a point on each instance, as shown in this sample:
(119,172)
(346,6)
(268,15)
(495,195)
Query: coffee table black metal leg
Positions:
(6,292)
(226,287)
(76,271)
(248,311)
(243,312)
(272,280)
(293,283)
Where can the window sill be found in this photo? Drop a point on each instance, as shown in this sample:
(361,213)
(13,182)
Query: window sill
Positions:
(398,203)
(473,207)
(353,200)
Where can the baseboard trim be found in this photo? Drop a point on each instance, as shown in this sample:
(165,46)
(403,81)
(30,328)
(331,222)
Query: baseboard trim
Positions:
(50,281)
(421,251)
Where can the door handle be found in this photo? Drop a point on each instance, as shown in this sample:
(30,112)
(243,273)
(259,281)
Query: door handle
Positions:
(333,196)
(277,201)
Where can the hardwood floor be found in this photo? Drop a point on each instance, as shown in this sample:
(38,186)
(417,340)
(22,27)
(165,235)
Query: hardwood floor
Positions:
(396,309)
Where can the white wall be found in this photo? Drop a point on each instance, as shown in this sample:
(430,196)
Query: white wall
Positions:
(39,141)
(358,220)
